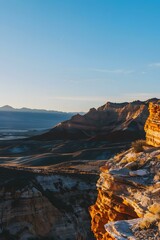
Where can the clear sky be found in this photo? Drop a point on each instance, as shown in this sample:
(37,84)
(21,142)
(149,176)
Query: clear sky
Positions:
(72,55)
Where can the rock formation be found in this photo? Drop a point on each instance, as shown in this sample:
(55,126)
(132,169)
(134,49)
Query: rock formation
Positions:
(128,203)
(45,206)
(112,121)
(152,126)
(47,187)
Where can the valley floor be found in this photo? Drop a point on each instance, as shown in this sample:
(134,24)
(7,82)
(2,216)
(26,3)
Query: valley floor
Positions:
(47,187)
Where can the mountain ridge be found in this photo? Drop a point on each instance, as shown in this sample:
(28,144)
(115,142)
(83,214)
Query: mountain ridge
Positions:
(8,108)
(107,122)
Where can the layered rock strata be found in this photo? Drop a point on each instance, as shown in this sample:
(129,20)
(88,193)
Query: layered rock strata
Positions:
(112,121)
(152,126)
(128,203)
(52,206)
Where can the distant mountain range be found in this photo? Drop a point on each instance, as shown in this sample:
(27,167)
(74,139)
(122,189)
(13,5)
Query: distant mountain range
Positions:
(8,108)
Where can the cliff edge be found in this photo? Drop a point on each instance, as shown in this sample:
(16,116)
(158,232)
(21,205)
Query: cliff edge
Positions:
(152,126)
(128,202)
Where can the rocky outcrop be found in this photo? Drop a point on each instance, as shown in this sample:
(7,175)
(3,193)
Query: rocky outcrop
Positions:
(122,121)
(128,203)
(51,206)
(152,126)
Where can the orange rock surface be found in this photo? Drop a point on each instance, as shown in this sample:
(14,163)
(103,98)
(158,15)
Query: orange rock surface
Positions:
(109,207)
(152,126)
(128,190)
(128,203)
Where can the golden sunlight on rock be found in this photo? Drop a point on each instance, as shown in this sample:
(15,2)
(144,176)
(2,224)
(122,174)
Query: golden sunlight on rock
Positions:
(152,126)
(128,203)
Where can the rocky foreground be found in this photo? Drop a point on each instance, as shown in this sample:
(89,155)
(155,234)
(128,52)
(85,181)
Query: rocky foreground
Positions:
(128,202)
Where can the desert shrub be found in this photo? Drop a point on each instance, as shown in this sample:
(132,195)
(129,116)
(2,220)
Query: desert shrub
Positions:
(138,145)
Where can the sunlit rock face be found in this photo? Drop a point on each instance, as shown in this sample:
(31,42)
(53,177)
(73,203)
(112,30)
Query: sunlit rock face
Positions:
(128,203)
(152,126)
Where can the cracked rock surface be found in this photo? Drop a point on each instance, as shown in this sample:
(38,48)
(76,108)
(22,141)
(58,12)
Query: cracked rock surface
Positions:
(128,202)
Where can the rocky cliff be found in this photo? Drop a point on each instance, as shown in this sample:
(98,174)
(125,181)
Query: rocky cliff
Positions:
(152,126)
(128,203)
(45,206)
(112,121)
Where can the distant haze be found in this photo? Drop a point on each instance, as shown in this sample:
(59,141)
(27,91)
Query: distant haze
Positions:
(23,120)
(8,108)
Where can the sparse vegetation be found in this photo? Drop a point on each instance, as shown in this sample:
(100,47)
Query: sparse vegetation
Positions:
(138,145)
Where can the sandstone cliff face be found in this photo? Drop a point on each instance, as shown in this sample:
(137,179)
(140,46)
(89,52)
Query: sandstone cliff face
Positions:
(152,126)
(128,203)
(37,206)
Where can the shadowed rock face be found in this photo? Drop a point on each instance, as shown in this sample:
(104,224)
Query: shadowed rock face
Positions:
(109,122)
(47,187)
(51,206)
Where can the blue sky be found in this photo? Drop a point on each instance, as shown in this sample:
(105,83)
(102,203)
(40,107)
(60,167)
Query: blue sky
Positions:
(72,55)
